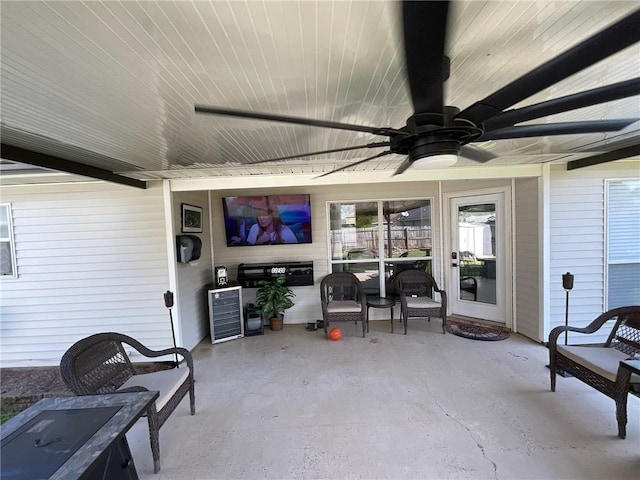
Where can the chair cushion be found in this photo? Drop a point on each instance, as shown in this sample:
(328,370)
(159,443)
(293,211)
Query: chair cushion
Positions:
(343,306)
(603,361)
(166,382)
(422,302)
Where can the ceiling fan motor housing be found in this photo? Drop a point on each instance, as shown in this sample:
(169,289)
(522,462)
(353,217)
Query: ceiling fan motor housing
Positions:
(434,134)
(432,145)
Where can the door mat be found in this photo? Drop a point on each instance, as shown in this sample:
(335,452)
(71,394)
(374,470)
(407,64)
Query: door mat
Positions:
(477,332)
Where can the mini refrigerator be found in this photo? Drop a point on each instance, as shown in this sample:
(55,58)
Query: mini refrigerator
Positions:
(225,314)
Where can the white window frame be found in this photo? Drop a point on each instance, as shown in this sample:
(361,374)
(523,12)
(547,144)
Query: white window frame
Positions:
(607,243)
(11,240)
(381,236)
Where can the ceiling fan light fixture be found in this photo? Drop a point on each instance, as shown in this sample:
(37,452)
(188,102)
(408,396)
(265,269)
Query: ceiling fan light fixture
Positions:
(430,152)
(435,161)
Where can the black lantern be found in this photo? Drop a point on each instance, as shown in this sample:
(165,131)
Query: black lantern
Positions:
(567,281)
(567,284)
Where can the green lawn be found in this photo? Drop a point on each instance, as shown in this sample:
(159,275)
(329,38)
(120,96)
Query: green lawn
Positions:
(4,416)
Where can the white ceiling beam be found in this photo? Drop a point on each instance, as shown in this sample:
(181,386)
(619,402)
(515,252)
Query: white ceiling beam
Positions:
(346,178)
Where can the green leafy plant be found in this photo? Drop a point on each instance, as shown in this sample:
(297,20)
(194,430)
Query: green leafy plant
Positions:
(274,297)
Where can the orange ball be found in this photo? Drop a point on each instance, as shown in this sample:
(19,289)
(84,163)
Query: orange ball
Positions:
(335,334)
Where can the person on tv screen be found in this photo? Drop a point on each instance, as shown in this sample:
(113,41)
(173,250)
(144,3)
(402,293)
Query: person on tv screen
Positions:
(269,228)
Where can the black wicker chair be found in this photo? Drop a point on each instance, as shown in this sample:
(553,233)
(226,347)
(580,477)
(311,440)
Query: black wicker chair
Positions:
(599,365)
(415,289)
(99,364)
(470,285)
(343,300)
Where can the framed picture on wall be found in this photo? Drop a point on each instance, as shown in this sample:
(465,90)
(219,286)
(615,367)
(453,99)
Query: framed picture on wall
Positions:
(191,219)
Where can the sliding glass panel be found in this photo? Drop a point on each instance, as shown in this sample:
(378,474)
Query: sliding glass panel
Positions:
(407,228)
(354,230)
(407,237)
(367,273)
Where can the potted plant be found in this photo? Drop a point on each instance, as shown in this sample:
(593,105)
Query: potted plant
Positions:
(273,298)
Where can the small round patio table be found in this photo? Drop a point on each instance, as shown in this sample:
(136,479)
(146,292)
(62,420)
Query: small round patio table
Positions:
(380,302)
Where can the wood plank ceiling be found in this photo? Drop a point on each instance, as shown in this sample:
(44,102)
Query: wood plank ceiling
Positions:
(113,84)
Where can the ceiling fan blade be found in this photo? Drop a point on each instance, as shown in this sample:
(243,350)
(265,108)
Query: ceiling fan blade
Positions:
(334,150)
(612,39)
(425,25)
(296,120)
(565,128)
(402,167)
(587,98)
(381,154)
(619,154)
(476,154)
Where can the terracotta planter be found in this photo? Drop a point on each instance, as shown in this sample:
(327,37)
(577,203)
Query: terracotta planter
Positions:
(276,323)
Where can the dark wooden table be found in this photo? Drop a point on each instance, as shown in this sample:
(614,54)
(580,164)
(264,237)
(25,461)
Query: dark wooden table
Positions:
(625,369)
(69,438)
(380,302)
(632,365)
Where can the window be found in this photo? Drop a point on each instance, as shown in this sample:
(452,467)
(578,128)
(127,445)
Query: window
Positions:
(623,243)
(376,239)
(7,247)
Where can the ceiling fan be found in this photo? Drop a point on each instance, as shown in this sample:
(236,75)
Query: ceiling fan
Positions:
(437,133)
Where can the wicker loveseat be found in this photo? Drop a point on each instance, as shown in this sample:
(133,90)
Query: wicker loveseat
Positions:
(599,365)
(99,364)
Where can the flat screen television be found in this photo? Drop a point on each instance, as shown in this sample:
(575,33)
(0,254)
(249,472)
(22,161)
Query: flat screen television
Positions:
(267,219)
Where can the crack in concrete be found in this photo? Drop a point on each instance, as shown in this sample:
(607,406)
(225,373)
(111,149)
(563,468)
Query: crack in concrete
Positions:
(519,356)
(469,431)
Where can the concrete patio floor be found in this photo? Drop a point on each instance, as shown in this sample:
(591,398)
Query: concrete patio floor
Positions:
(291,404)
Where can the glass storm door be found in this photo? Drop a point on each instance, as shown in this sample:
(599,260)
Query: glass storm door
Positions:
(477,258)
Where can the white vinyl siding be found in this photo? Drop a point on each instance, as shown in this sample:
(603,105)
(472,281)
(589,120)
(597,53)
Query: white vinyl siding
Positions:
(91,257)
(623,243)
(577,243)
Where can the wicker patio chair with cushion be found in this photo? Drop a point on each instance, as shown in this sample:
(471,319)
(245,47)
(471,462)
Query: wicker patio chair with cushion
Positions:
(470,285)
(343,300)
(100,364)
(415,289)
(598,365)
